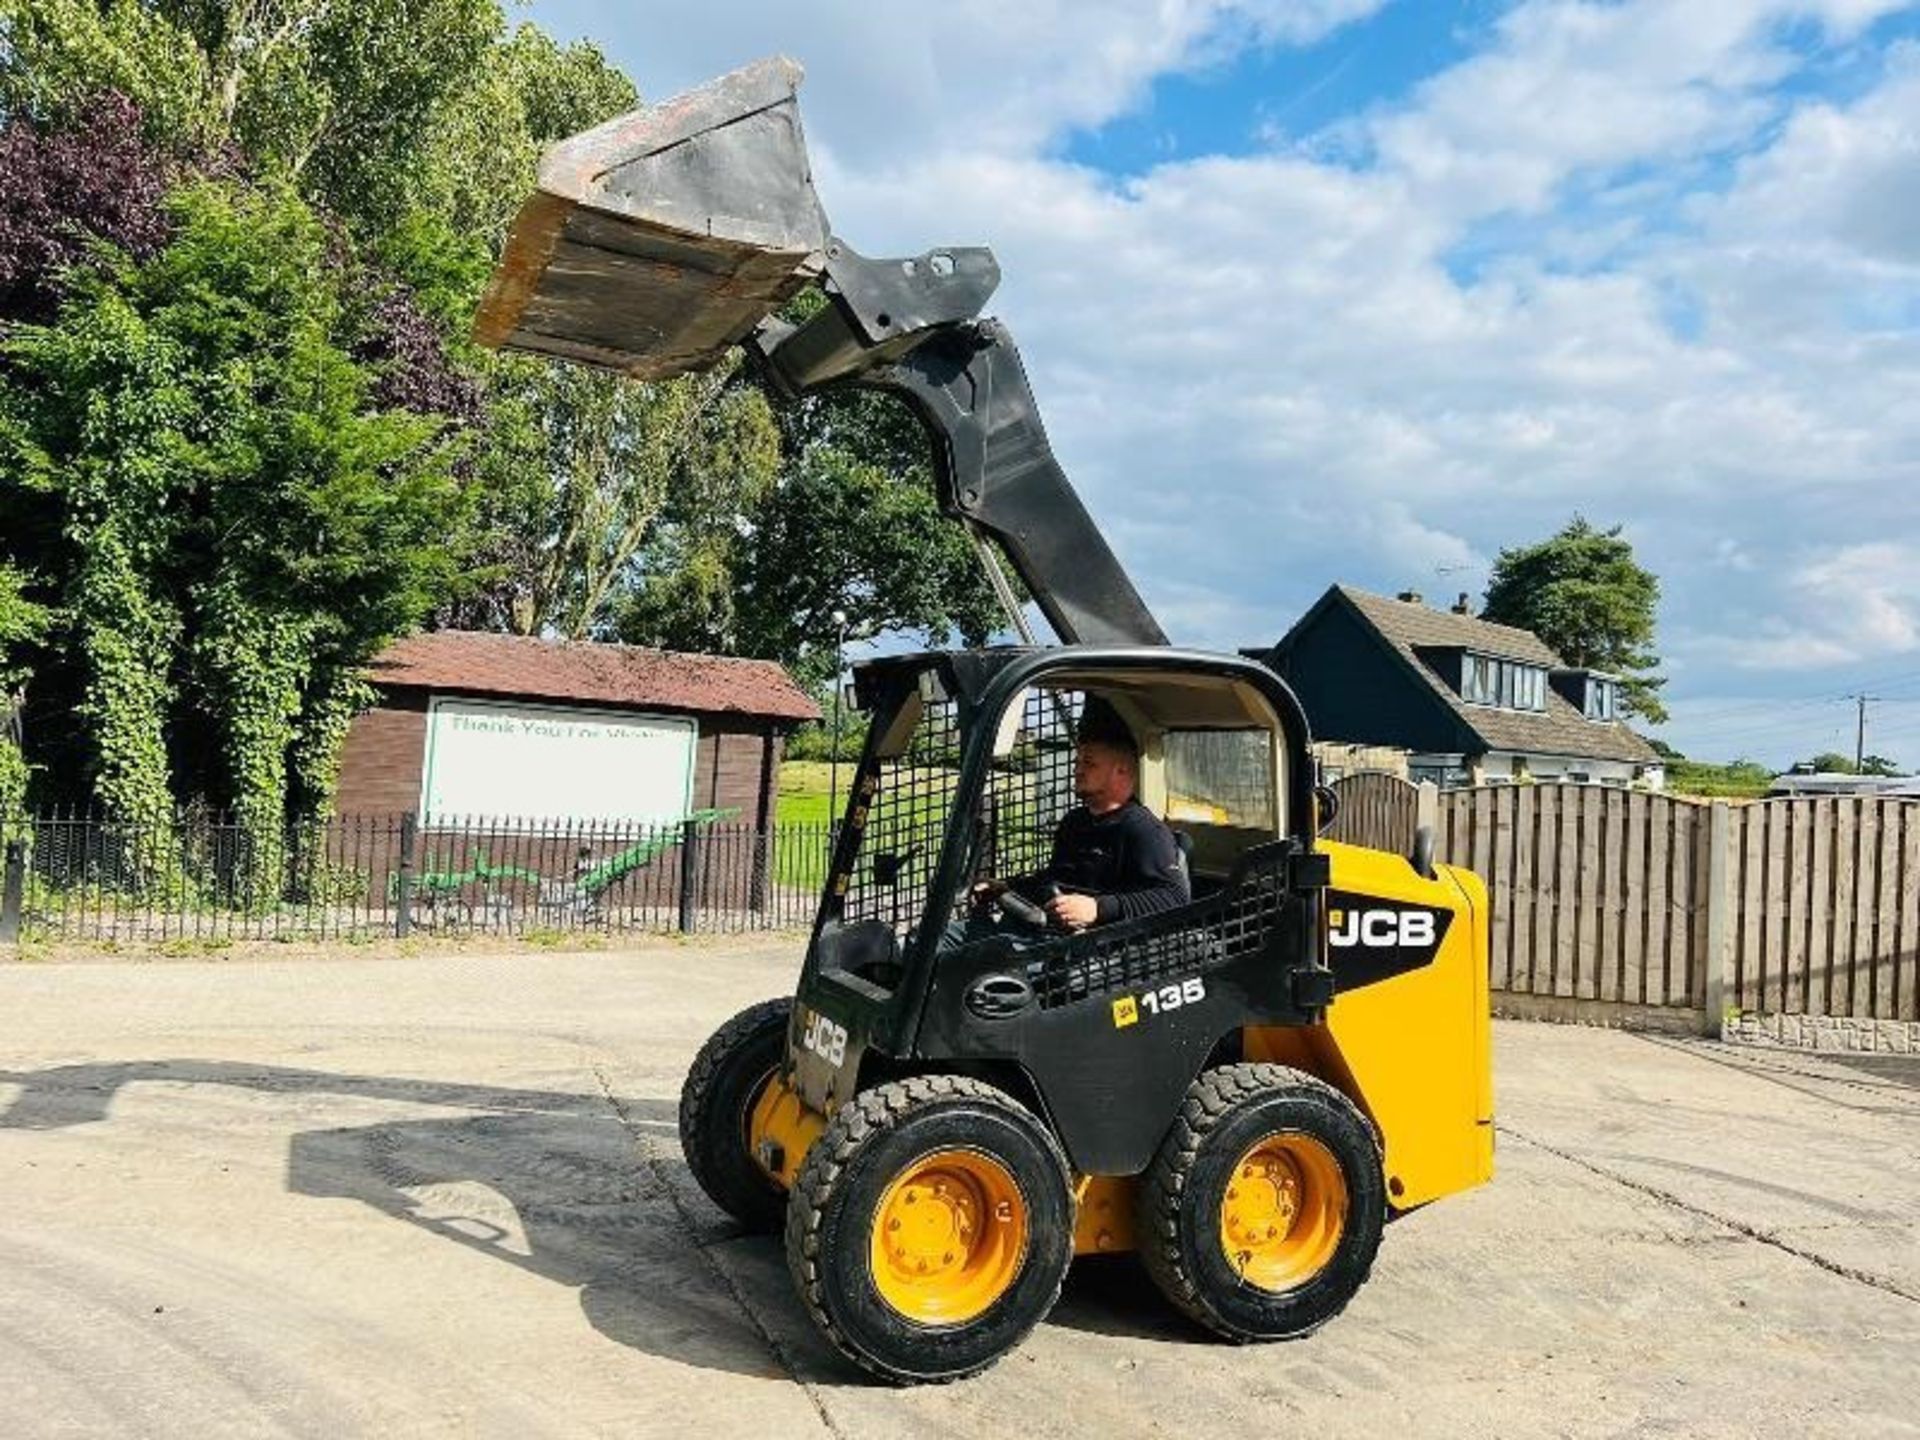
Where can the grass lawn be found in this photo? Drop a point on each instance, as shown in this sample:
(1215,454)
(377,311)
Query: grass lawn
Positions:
(802,797)
(803,812)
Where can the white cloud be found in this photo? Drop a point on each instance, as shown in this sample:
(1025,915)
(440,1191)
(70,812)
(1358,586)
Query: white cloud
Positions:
(1271,371)
(1842,185)
(1851,603)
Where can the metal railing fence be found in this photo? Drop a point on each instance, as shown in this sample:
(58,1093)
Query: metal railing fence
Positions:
(75,876)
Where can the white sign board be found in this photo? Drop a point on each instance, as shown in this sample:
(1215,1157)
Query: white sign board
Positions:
(501,759)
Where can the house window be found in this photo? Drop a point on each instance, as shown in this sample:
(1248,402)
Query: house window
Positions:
(1508,684)
(1602,699)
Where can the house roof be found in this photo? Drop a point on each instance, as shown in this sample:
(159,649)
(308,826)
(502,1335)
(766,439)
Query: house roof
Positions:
(585,671)
(1408,626)
(1412,622)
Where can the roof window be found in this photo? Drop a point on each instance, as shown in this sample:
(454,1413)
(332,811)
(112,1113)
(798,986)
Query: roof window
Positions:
(1507,684)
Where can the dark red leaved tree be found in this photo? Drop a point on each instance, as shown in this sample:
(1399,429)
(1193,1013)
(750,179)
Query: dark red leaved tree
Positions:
(94,178)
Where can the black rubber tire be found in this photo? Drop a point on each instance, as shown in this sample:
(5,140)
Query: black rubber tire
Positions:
(831,1213)
(715,1104)
(1178,1219)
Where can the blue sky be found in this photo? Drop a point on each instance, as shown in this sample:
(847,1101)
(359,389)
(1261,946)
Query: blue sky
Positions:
(1259,95)
(1365,290)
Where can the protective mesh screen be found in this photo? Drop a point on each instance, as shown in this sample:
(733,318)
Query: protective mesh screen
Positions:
(909,799)
(1030,789)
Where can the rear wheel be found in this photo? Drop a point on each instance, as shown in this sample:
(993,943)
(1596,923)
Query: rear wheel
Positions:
(930,1227)
(1261,1213)
(716,1104)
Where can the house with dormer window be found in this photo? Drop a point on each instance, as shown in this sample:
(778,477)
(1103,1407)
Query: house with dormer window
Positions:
(1473,703)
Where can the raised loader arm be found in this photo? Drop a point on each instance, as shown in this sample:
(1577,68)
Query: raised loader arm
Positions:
(662,238)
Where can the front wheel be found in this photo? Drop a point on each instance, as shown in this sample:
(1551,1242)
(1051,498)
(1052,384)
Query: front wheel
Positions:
(1261,1213)
(930,1228)
(716,1106)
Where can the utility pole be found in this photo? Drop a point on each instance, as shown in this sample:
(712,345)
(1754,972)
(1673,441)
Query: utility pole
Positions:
(1860,733)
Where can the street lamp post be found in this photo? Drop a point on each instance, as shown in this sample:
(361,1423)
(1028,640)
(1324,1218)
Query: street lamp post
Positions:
(839,664)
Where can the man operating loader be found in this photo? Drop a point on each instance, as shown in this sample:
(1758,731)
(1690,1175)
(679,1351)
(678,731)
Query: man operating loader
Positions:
(1113,859)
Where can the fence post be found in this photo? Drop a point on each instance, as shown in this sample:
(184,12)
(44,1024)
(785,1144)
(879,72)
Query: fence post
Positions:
(403,887)
(1719,959)
(1426,807)
(12,889)
(689,872)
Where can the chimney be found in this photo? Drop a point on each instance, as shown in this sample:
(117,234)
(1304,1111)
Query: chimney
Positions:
(1464,605)
(1409,597)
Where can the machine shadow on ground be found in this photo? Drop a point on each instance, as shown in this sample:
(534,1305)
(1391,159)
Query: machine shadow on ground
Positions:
(552,1182)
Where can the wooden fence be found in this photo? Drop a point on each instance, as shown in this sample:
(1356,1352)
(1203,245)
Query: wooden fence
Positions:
(1828,914)
(1376,809)
(1807,906)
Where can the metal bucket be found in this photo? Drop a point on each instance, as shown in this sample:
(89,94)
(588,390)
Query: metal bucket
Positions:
(656,241)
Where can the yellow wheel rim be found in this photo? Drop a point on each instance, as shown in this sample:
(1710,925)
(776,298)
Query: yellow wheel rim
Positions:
(1284,1212)
(949,1235)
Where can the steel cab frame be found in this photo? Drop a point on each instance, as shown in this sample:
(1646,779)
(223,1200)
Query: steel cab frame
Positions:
(1101,1030)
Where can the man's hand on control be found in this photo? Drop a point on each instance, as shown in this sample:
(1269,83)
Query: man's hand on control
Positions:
(1075,912)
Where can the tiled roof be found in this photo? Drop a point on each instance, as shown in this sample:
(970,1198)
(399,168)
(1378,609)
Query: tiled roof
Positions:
(1411,622)
(1558,730)
(585,671)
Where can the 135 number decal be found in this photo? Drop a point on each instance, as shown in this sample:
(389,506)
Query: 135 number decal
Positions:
(1172,997)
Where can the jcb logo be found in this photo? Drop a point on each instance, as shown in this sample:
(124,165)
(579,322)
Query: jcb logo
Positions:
(1383,928)
(825,1039)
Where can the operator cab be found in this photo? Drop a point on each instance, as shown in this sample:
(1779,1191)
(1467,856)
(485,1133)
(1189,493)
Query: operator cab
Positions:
(969,769)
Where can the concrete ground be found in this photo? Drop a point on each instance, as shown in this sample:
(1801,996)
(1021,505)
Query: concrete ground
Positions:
(442,1196)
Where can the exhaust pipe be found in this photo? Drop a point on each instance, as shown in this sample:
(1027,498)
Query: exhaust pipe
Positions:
(654,242)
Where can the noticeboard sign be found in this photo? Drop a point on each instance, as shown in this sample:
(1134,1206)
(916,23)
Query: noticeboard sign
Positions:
(509,760)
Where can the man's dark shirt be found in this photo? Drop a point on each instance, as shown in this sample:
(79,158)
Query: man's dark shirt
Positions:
(1126,859)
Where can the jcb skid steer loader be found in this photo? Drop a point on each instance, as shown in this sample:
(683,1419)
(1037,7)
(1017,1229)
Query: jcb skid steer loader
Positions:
(1242,1090)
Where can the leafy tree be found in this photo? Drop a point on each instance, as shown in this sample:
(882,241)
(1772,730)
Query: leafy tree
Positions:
(581,471)
(1832,762)
(23,624)
(242,525)
(64,190)
(483,142)
(854,528)
(243,438)
(57,55)
(686,594)
(1739,779)
(842,534)
(341,98)
(1583,594)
